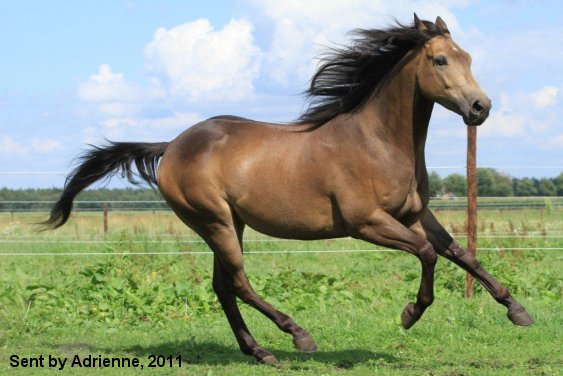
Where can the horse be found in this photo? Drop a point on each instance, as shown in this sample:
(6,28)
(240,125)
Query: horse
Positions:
(352,165)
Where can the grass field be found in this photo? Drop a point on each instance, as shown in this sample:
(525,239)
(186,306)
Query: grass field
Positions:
(136,306)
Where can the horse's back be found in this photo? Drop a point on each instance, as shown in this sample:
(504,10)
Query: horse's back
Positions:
(196,155)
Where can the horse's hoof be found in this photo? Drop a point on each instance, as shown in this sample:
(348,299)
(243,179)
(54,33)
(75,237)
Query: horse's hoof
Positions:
(408,317)
(269,360)
(520,317)
(305,344)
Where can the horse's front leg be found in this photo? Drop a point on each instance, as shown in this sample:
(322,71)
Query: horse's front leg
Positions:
(446,246)
(382,229)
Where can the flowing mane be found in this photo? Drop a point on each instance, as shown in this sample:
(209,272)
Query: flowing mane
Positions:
(348,75)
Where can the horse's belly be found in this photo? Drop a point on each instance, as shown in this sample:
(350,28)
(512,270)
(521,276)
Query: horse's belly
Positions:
(291,220)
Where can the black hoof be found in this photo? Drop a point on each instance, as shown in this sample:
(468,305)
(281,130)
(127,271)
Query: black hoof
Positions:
(409,316)
(305,343)
(520,317)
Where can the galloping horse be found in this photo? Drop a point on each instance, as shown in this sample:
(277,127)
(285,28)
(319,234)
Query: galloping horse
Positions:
(352,165)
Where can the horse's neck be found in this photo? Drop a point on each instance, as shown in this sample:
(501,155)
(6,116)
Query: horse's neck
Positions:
(398,114)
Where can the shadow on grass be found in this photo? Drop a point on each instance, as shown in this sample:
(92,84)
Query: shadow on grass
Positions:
(209,353)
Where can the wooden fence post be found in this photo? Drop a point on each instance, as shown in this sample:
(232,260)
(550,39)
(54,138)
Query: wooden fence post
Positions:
(471,201)
(105,220)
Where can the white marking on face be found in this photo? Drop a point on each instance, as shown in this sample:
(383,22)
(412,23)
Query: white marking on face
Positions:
(455,49)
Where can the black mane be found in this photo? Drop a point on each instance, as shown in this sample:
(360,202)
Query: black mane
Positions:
(348,75)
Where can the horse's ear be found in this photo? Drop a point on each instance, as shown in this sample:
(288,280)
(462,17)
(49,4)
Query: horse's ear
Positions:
(418,23)
(442,25)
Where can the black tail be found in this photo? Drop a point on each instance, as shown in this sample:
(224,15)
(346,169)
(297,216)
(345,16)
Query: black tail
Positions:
(105,162)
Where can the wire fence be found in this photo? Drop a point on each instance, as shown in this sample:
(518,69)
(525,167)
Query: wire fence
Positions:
(436,203)
(551,238)
(283,252)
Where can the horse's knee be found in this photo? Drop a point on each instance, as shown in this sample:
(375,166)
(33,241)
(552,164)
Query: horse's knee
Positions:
(243,291)
(468,258)
(245,295)
(427,254)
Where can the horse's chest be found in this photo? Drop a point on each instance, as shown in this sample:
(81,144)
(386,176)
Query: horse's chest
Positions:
(410,209)
(403,202)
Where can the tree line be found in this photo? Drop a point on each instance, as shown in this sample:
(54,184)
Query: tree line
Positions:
(36,199)
(491,183)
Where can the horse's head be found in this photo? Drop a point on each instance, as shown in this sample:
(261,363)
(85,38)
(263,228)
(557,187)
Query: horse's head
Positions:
(444,76)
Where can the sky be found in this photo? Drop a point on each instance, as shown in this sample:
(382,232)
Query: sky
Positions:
(74,73)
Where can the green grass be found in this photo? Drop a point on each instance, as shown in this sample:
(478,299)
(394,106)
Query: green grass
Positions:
(134,306)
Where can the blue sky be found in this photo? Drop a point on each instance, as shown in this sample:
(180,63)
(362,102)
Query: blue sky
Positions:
(76,72)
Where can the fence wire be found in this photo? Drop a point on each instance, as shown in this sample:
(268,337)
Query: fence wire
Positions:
(299,252)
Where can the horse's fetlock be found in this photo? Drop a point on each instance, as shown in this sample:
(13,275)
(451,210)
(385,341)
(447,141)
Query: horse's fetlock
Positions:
(425,301)
(502,294)
(287,324)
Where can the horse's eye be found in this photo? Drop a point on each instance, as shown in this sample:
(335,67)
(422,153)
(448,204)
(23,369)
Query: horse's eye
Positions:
(441,60)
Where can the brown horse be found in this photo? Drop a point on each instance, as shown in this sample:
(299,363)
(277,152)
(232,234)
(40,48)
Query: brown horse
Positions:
(353,165)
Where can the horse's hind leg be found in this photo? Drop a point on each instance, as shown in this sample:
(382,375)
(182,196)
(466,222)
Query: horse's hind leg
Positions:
(244,291)
(446,246)
(227,299)
(301,339)
(231,260)
(222,238)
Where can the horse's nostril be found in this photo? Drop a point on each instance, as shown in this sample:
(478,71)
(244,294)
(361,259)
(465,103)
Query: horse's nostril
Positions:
(477,107)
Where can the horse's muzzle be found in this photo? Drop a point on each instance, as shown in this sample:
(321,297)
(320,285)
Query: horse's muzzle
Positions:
(479,112)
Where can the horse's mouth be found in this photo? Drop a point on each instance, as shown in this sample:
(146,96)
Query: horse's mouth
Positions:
(474,120)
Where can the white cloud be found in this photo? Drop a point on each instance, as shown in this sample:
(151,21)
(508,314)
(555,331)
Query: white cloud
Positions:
(189,62)
(107,86)
(113,97)
(503,123)
(198,64)
(195,62)
(545,97)
(516,118)
(303,29)
(177,120)
(505,120)
(9,146)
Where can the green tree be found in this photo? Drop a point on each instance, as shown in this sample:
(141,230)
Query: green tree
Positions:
(525,187)
(503,185)
(485,182)
(456,184)
(547,188)
(558,181)
(492,183)
(435,183)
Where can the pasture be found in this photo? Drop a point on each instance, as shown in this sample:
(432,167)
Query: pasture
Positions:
(349,300)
